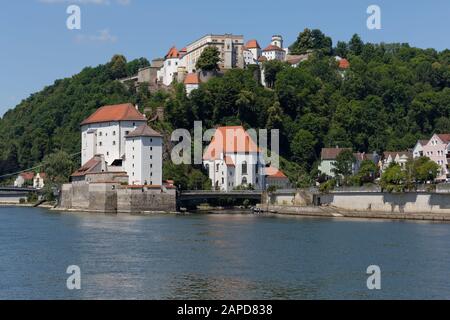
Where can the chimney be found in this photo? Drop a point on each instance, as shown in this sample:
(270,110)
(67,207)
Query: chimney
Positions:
(137,107)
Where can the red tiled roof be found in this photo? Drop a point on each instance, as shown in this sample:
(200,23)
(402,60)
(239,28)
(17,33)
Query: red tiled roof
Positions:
(344,64)
(229,162)
(272,47)
(445,137)
(331,153)
(144,131)
(27,175)
(231,139)
(173,53)
(192,78)
(273,172)
(252,44)
(119,112)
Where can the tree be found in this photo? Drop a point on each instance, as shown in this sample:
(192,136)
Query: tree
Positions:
(343,166)
(311,40)
(58,166)
(341,49)
(209,59)
(271,69)
(303,148)
(422,170)
(367,172)
(356,45)
(393,178)
(118,66)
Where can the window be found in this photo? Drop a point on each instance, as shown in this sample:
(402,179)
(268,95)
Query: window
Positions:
(114,143)
(114,133)
(100,144)
(151,165)
(100,133)
(217,167)
(127,133)
(244,180)
(244,167)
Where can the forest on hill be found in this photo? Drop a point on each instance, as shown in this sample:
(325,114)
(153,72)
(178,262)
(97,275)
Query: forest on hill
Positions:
(391,96)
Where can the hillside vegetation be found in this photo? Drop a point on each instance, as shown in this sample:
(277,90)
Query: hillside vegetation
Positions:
(392,95)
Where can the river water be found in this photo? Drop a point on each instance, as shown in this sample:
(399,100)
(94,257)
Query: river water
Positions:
(218,256)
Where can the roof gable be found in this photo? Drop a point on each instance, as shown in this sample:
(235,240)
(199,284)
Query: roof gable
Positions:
(144,131)
(230,139)
(192,78)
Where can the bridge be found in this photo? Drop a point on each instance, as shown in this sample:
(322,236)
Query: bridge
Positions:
(13,194)
(205,195)
(192,198)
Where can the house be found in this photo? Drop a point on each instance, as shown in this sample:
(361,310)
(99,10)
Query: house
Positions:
(252,51)
(418,148)
(39,180)
(168,72)
(327,160)
(233,159)
(117,141)
(275,177)
(105,130)
(275,50)
(329,155)
(437,149)
(398,157)
(24,179)
(191,82)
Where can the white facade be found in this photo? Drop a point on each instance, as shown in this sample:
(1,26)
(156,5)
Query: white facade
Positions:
(107,138)
(144,160)
(233,159)
(38,181)
(247,170)
(168,72)
(274,54)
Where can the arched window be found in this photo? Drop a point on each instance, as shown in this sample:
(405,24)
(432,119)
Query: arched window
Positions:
(244,180)
(244,167)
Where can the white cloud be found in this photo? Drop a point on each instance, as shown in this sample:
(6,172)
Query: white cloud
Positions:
(102,36)
(97,2)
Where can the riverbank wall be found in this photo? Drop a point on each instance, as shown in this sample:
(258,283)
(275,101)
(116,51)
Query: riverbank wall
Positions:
(115,198)
(361,203)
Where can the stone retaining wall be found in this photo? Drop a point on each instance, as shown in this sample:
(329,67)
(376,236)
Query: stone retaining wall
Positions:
(113,198)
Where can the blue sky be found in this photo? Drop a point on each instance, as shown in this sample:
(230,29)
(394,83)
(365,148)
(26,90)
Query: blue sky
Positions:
(36,48)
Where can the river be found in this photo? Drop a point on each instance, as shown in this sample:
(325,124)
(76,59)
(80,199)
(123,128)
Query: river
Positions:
(218,256)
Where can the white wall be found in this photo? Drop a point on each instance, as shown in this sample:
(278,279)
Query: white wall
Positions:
(107,138)
(144,160)
(229,177)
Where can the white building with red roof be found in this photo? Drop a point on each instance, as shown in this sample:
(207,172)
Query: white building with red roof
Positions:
(275,50)
(191,82)
(252,51)
(168,72)
(233,159)
(276,177)
(120,135)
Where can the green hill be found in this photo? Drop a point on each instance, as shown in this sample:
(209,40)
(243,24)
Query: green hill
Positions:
(391,95)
